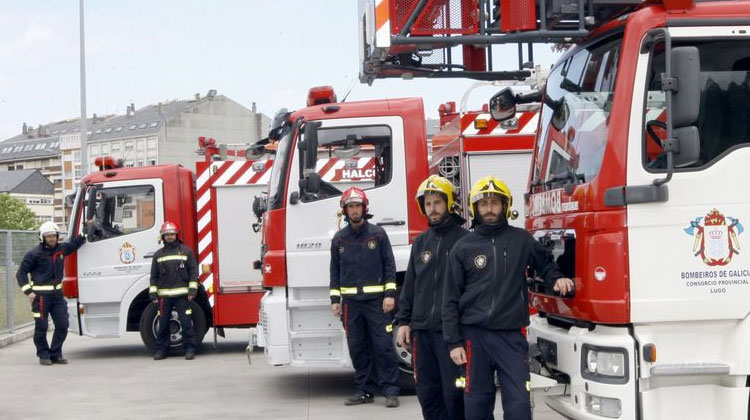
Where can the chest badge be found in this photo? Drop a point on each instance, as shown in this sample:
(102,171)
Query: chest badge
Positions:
(426,255)
(372,245)
(341,249)
(480,261)
(127,253)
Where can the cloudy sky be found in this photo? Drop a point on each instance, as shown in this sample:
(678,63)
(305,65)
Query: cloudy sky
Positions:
(143,51)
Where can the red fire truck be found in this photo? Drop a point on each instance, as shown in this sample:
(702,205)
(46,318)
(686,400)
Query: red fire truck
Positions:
(641,144)
(299,214)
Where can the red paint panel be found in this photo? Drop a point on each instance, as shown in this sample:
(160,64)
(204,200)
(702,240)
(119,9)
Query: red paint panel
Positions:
(237,309)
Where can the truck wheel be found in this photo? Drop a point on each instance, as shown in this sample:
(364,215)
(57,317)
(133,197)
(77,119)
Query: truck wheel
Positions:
(150,322)
(405,369)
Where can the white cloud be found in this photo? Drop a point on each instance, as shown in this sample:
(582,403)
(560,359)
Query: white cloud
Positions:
(24,50)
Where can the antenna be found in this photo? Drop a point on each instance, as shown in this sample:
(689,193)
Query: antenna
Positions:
(348,90)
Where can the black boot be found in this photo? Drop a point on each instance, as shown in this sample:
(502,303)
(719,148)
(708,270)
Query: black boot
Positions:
(360,397)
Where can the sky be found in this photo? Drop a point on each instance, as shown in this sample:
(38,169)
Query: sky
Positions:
(145,52)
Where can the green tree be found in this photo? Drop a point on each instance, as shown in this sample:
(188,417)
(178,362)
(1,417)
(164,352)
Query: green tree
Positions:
(15,215)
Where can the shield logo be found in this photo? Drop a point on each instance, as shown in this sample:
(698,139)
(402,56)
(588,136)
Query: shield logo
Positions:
(716,240)
(127,253)
(480,261)
(341,249)
(426,256)
(372,244)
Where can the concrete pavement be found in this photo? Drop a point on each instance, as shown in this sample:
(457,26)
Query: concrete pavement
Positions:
(117,379)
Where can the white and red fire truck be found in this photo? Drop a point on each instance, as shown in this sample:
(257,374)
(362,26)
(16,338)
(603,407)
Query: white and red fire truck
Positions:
(636,185)
(107,282)
(300,211)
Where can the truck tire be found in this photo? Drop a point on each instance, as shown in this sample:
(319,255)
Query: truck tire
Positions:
(149,323)
(405,369)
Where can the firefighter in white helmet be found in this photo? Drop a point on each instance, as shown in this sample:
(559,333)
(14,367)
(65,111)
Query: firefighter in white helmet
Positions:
(40,277)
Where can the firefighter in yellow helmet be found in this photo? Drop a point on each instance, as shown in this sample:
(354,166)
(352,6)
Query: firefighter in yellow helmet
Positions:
(419,319)
(485,302)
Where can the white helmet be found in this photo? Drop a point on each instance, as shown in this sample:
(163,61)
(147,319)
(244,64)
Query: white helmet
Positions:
(48,227)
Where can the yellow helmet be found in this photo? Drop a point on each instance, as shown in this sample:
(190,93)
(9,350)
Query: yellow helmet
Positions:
(486,187)
(440,185)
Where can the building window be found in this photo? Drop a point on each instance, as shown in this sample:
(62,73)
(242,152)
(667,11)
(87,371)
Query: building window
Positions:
(94,150)
(99,131)
(143,125)
(151,144)
(152,162)
(77,155)
(132,127)
(19,167)
(118,129)
(129,164)
(140,145)
(18,149)
(153,124)
(28,147)
(141,163)
(78,172)
(108,130)
(116,147)
(128,146)
(105,148)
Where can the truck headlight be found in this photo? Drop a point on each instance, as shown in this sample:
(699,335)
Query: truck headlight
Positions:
(605,407)
(604,364)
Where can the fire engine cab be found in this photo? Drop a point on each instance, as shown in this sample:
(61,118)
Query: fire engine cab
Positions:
(635,186)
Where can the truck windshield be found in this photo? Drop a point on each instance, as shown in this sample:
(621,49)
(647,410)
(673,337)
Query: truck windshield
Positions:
(724,113)
(575,116)
(119,211)
(278,170)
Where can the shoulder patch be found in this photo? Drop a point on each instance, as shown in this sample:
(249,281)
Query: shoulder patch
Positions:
(426,255)
(372,244)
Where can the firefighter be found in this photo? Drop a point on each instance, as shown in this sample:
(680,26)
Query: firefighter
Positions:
(363,295)
(44,289)
(419,319)
(174,283)
(485,303)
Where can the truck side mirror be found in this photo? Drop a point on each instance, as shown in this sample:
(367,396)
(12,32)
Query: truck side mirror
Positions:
(686,95)
(503,105)
(688,148)
(311,183)
(91,203)
(255,151)
(311,145)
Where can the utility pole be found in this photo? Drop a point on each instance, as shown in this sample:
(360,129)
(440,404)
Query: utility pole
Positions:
(84,129)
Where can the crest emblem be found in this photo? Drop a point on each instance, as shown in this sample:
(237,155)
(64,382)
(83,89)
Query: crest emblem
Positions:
(127,253)
(372,244)
(426,255)
(341,249)
(480,261)
(716,239)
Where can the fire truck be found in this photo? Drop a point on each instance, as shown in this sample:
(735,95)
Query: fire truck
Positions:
(106,283)
(642,141)
(300,212)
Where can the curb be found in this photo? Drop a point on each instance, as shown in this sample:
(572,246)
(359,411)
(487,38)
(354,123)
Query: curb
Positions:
(16,336)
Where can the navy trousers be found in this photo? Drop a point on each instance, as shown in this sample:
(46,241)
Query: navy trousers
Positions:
(369,339)
(489,351)
(49,304)
(181,305)
(435,374)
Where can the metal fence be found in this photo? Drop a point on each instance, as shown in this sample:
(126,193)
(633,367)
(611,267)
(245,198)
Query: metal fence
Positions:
(15,308)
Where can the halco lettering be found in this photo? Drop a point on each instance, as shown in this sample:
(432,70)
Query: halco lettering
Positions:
(546,203)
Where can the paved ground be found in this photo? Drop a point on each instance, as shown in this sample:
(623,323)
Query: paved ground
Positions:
(117,379)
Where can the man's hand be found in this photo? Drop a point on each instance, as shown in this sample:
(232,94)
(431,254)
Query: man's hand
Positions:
(564,286)
(336,309)
(32,296)
(388,304)
(458,355)
(191,297)
(404,335)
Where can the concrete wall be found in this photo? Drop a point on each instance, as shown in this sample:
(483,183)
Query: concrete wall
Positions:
(223,119)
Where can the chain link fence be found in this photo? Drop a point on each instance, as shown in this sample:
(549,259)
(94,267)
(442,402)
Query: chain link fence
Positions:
(15,308)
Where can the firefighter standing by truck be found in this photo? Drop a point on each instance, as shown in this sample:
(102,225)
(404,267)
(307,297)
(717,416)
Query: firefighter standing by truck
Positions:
(174,283)
(363,290)
(485,302)
(44,289)
(419,315)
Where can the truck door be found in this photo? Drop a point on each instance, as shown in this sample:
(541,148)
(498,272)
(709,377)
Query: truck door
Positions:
(127,216)
(312,220)
(690,252)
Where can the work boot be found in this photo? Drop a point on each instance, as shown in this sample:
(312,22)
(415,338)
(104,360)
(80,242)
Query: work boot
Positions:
(160,355)
(360,397)
(189,355)
(391,402)
(60,361)
(45,362)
